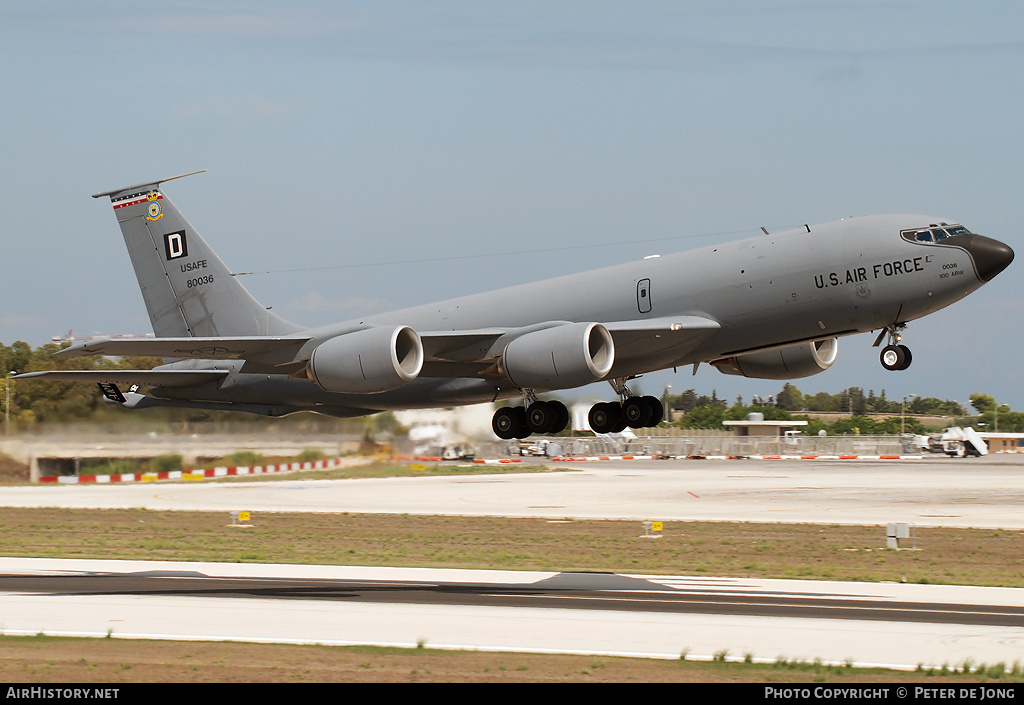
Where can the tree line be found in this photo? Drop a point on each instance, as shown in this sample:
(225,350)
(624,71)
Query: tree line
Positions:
(692,410)
(38,401)
(35,400)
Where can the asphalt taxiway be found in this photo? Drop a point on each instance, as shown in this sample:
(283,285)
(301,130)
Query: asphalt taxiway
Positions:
(979,492)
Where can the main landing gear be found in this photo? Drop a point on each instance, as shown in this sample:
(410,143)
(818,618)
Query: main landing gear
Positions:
(538,417)
(635,412)
(894,356)
(631,410)
(552,416)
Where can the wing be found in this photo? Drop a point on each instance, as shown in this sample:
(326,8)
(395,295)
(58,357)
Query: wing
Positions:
(460,353)
(640,346)
(446,353)
(145,378)
(657,341)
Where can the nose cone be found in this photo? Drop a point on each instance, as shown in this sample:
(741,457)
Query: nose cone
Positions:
(990,256)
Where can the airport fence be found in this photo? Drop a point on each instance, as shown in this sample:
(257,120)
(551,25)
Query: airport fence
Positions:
(698,445)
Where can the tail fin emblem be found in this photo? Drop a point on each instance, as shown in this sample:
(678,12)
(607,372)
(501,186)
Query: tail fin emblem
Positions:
(155,212)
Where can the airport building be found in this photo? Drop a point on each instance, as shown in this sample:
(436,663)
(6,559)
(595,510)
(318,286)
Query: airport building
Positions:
(1003,442)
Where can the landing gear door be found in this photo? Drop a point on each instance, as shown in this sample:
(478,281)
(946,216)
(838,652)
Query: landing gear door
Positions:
(643,295)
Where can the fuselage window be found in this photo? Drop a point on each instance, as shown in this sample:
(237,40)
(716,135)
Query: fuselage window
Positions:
(939,235)
(958,230)
(924,236)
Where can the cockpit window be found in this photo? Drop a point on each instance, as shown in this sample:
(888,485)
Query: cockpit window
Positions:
(934,233)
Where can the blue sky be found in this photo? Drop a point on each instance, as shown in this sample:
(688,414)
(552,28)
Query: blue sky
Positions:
(383,154)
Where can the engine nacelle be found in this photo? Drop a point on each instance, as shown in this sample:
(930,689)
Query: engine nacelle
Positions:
(791,362)
(367,361)
(568,355)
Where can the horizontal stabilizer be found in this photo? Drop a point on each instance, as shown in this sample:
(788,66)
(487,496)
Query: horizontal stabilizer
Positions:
(146,378)
(145,184)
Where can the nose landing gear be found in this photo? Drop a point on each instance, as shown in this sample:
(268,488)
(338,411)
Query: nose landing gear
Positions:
(894,356)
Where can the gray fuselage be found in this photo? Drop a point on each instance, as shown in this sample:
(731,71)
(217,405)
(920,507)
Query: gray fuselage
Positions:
(805,284)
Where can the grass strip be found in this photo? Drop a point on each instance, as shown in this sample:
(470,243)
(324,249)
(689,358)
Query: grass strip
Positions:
(44,659)
(952,556)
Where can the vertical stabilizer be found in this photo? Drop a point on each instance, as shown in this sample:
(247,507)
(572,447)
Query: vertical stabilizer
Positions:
(187,288)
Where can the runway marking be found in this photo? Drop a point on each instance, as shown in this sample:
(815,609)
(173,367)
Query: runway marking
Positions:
(758,477)
(880,607)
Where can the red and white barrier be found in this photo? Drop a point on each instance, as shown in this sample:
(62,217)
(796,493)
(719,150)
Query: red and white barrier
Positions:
(200,474)
(739,457)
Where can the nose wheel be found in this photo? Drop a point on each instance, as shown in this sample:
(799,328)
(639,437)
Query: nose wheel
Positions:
(894,356)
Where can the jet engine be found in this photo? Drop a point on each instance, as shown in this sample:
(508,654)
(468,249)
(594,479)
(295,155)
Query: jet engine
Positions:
(569,355)
(791,362)
(367,361)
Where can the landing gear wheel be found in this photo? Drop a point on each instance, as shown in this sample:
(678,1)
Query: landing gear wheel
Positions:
(524,430)
(637,412)
(657,411)
(541,417)
(561,417)
(906,351)
(604,417)
(895,357)
(503,423)
(510,422)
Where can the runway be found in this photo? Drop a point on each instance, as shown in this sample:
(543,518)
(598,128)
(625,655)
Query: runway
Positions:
(603,614)
(651,616)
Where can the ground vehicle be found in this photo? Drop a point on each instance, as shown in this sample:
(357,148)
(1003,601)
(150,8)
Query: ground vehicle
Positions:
(958,442)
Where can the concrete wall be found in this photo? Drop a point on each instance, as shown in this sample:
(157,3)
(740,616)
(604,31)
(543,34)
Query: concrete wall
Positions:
(48,456)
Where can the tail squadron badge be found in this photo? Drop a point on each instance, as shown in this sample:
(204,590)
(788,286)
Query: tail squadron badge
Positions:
(154,212)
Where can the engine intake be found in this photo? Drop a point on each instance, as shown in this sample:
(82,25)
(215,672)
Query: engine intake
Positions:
(792,362)
(569,355)
(367,361)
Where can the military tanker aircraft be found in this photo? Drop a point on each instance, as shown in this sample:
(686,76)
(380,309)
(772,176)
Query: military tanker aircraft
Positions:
(770,307)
